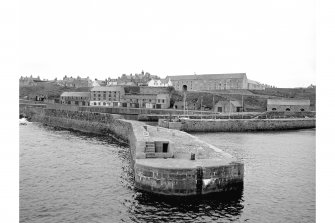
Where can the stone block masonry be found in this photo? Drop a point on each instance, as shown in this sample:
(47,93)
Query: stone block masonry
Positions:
(170,171)
(240,125)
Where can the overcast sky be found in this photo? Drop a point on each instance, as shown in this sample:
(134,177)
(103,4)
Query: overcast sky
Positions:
(272,41)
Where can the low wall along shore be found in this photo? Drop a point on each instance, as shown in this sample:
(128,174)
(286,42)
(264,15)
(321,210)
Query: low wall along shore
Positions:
(160,158)
(240,125)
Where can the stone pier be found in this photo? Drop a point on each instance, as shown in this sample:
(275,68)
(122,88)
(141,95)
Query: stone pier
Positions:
(160,157)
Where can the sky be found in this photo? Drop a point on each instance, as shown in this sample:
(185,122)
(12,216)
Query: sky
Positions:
(273,42)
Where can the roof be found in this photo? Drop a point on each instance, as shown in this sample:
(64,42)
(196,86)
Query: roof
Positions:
(107,88)
(286,101)
(253,82)
(207,76)
(75,94)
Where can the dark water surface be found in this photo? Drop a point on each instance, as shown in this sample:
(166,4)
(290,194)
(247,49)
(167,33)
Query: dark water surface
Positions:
(74,177)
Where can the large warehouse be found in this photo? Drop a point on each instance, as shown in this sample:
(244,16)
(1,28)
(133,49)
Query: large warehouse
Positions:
(206,82)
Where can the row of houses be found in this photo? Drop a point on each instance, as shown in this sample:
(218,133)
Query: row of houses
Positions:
(159,98)
(196,82)
(119,96)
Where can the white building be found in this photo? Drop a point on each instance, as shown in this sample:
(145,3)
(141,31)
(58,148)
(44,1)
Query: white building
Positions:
(159,83)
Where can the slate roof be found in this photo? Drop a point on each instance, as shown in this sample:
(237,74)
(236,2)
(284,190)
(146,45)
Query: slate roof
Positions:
(207,76)
(75,94)
(107,88)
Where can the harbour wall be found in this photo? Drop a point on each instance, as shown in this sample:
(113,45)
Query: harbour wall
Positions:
(172,176)
(241,125)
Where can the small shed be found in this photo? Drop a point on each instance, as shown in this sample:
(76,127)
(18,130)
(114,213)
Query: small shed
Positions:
(228,106)
(287,104)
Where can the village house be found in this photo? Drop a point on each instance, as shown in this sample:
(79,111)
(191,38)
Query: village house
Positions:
(130,97)
(75,82)
(287,104)
(107,96)
(30,81)
(159,83)
(75,98)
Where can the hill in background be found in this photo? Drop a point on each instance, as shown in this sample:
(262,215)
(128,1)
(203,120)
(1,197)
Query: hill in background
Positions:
(51,90)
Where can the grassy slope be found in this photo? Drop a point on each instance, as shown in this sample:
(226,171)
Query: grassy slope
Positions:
(254,100)
(50,89)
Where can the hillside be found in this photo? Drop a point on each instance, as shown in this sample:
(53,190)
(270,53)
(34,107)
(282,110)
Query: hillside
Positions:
(51,90)
(254,100)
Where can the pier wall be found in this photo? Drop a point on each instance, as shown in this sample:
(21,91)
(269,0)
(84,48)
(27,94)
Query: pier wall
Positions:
(240,125)
(172,176)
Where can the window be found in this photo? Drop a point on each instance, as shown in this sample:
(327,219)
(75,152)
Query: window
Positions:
(159,100)
(287,109)
(163,101)
(274,109)
(302,109)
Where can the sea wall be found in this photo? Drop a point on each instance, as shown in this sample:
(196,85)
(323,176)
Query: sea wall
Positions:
(212,170)
(240,125)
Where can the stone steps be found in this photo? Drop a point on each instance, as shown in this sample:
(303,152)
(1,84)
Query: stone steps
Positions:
(150,148)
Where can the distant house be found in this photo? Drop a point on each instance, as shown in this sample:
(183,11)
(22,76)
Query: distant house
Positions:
(159,83)
(75,82)
(75,98)
(30,81)
(287,104)
(228,106)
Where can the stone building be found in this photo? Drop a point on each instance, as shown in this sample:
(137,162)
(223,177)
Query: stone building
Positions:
(130,97)
(30,81)
(210,82)
(228,106)
(75,82)
(287,104)
(107,95)
(75,98)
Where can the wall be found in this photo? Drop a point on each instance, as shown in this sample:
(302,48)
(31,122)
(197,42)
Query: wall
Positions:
(168,181)
(181,181)
(294,108)
(239,125)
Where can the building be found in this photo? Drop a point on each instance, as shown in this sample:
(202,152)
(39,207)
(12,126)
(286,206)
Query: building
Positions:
(30,81)
(147,97)
(287,104)
(228,106)
(254,85)
(130,97)
(75,82)
(107,96)
(75,98)
(159,83)
(210,82)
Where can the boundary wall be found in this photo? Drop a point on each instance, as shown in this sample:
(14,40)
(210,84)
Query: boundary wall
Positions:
(240,125)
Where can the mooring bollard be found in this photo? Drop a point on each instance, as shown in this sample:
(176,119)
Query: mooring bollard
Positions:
(192,156)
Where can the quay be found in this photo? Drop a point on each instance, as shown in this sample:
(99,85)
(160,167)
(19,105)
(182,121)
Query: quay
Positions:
(164,161)
(238,125)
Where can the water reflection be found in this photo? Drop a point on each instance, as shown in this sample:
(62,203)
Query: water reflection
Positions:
(220,206)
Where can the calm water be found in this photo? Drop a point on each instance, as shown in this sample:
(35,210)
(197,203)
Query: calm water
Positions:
(73,177)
